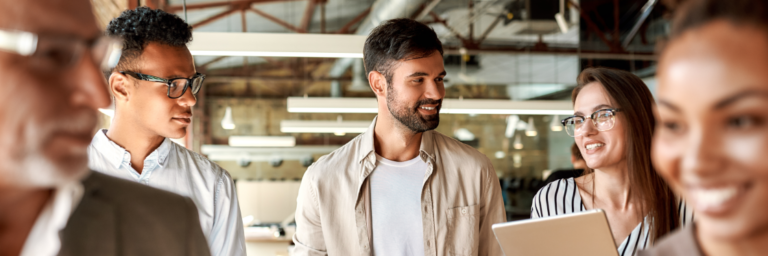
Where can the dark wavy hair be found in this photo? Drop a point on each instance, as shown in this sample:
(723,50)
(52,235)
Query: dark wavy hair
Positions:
(631,94)
(398,39)
(143,25)
(697,13)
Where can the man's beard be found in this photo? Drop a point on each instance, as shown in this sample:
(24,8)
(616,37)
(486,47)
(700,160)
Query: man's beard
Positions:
(28,165)
(410,116)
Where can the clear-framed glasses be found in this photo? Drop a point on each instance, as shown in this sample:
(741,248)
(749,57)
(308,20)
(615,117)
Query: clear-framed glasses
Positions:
(49,52)
(603,120)
(176,86)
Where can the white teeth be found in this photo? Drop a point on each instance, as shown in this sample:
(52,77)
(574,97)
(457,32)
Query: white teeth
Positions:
(594,146)
(428,108)
(706,198)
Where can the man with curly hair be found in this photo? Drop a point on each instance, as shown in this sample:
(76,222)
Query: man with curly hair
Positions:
(154,86)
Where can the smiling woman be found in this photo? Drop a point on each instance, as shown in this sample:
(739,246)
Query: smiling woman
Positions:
(712,138)
(613,126)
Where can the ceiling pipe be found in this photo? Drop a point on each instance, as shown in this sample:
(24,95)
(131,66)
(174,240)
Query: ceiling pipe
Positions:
(644,13)
(381,10)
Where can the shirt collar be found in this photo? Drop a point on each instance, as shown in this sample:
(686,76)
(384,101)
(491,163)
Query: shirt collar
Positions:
(426,148)
(117,155)
(43,239)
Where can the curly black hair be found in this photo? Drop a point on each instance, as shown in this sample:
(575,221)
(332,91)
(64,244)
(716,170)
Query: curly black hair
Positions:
(143,25)
(395,40)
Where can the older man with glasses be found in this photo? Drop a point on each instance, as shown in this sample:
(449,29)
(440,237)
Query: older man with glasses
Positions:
(51,60)
(154,86)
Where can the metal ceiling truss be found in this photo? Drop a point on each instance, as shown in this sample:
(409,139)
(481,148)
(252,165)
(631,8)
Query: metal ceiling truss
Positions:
(243,6)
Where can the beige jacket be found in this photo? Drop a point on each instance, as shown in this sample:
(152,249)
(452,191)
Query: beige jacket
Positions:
(461,199)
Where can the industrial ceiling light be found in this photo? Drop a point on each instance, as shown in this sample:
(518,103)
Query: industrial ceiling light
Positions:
(512,121)
(262,141)
(555,125)
(359,84)
(518,144)
(227,122)
(316,126)
(531,130)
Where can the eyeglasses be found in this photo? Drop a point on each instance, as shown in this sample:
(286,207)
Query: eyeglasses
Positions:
(57,52)
(603,120)
(176,86)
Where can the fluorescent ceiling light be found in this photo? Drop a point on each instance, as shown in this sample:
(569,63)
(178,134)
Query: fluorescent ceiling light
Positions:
(278,54)
(313,126)
(277,45)
(262,141)
(450,106)
(228,153)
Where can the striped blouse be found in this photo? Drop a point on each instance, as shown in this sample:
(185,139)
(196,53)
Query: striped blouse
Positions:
(562,197)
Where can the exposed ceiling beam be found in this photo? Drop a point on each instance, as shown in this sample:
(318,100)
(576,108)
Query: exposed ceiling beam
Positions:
(275,20)
(176,8)
(358,18)
(207,64)
(307,18)
(256,79)
(214,18)
(644,12)
(427,9)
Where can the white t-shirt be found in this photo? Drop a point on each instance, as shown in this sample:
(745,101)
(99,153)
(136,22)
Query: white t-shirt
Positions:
(396,207)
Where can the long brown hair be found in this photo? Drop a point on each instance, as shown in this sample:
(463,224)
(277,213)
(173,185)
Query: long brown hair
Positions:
(636,103)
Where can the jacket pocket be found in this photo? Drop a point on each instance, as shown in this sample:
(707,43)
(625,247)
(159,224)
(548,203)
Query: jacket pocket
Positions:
(463,230)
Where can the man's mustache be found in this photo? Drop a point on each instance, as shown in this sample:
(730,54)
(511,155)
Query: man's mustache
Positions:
(429,102)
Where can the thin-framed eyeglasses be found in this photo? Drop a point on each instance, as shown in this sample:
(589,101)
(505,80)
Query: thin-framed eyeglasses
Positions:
(603,120)
(176,86)
(52,52)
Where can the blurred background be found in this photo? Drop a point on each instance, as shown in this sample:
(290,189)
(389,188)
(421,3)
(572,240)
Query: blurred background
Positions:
(285,84)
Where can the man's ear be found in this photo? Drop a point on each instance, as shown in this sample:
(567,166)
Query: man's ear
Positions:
(119,86)
(378,83)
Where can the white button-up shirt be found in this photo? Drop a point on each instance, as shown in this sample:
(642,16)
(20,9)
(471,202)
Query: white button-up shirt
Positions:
(174,168)
(43,239)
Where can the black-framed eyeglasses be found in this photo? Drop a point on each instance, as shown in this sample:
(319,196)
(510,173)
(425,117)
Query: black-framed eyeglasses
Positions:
(176,86)
(603,120)
(54,52)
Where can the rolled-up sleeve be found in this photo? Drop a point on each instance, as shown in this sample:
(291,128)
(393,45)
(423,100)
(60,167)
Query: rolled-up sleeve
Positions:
(493,213)
(309,232)
(227,236)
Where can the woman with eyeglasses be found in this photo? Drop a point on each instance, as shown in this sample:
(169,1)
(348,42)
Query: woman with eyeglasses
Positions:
(613,126)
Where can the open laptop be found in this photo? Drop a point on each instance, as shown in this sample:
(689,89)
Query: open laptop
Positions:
(585,233)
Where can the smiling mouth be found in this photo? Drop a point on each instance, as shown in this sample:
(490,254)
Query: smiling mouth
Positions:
(594,146)
(717,200)
(182,119)
(428,108)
